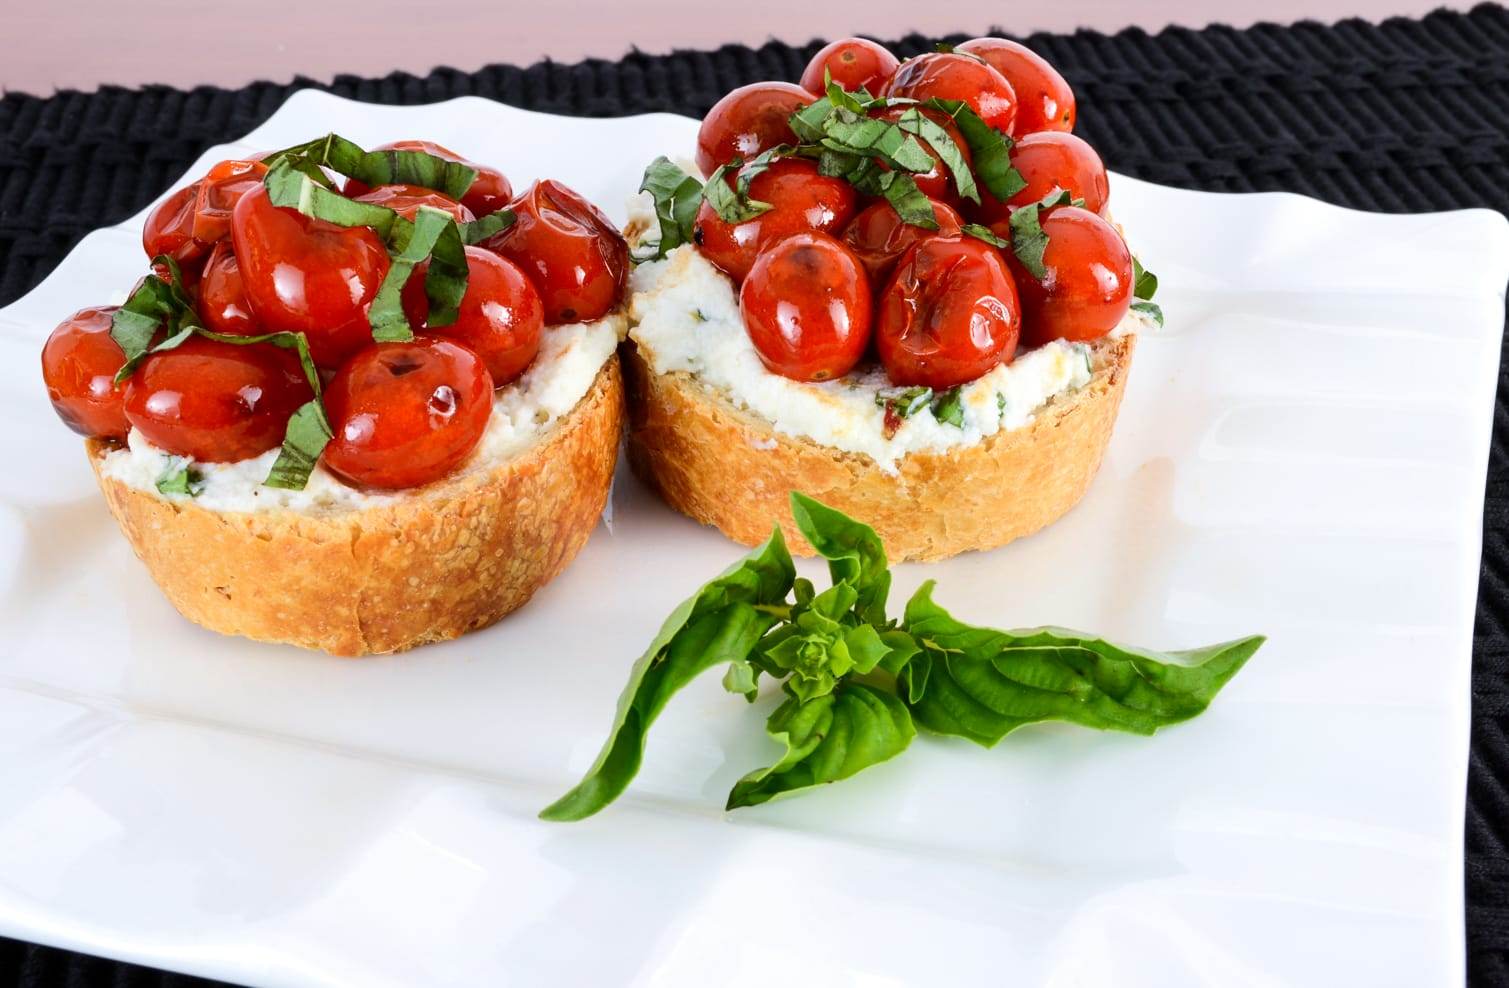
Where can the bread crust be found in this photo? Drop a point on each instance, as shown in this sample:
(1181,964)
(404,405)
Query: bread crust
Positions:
(449,559)
(725,467)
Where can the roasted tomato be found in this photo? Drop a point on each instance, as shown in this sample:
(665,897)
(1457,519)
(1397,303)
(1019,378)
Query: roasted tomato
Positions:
(749,120)
(1087,287)
(222,298)
(878,237)
(574,255)
(801,200)
(1047,160)
(937,182)
(306,275)
(806,304)
(219,191)
(948,315)
(406,414)
(405,200)
(216,402)
(79,362)
(1044,99)
(170,231)
(853,63)
(490,190)
(948,75)
(500,317)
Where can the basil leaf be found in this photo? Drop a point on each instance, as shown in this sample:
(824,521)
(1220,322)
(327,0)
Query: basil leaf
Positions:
(485,227)
(181,478)
(434,232)
(288,187)
(742,678)
(913,121)
(983,684)
(387,167)
(305,438)
(948,408)
(827,739)
(807,123)
(905,404)
(722,622)
(1144,282)
(990,149)
(1152,310)
(730,206)
(855,554)
(853,133)
(1028,241)
(676,196)
(757,165)
(984,233)
(152,305)
(900,190)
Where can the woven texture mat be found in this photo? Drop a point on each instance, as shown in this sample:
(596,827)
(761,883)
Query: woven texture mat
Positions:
(1404,117)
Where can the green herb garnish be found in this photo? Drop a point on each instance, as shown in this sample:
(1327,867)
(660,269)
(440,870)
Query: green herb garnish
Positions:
(1028,241)
(449,178)
(984,233)
(906,403)
(677,196)
(989,148)
(1144,287)
(731,205)
(858,685)
(181,478)
(948,408)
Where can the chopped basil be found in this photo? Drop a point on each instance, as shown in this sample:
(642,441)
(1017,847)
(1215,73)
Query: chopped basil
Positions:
(807,123)
(990,149)
(905,404)
(731,206)
(853,133)
(389,167)
(914,121)
(483,227)
(305,439)
(677,196)
(154,304)
(181,478)
(433,235)
(1028,241)
(289,187)
(984,233)
(948,408)
(910,203)
(1001,404)
(1152,310)
(1144,282)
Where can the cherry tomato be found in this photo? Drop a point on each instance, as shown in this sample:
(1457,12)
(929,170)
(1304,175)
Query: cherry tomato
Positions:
(948,75)
(79,361)
(575,256)
(216,402)
(222,298)
(219,191)
(170,230)
(1044,99)
(937,182)
(1087,287)
(305,275)
(748,120)
(878,237)
(406,414)
(500,317)
(1046,160)
(801,200)
(806,305)
(405,200)
(490,191)
(948,315)
(852,63)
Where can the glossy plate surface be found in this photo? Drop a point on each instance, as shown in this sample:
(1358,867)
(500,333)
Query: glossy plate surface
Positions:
(1302,453)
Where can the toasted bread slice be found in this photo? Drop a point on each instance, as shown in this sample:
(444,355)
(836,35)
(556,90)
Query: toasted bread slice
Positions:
(447,559)
(728,468)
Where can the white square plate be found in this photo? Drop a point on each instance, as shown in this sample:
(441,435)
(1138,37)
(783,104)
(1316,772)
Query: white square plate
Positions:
(1301,453)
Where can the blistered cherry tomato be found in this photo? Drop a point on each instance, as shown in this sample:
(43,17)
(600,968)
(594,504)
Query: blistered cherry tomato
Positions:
(937,182)
(801,200)
(1047,160)
(1044,99)
(79,361)
(490,191)
(574,255)
(219,191)
(405,200)
(948,315)
(1087,287)
(948,75)
(222,298)
(305,275)
(852,63)
(500,317)
(170,230)
(749,120)
(806,305)
(216,402)
(878,237)
(406,414)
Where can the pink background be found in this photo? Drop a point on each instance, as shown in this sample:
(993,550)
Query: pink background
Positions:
(43,48)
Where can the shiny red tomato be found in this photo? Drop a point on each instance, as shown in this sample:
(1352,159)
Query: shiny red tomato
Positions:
(947,75)
(574,255)
(948,315)
(170,230)
(1044,99)
(222,298)
(490,191)
(801,200)
(853,63)
(406,414)
(500,317)
(806,305)
(749,120)
(1047,160)
(405,200)
(1087,287)
(216,402)
(878,237)
(219,191)
(306,275)
(79,362)
(937,182)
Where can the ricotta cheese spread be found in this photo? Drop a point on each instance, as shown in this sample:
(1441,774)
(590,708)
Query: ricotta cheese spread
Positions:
(570,357)
(684,316)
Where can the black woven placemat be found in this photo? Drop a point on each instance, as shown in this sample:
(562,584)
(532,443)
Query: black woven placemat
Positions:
(1406,116)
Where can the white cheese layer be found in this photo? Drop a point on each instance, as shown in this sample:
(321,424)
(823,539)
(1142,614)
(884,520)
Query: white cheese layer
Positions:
(523,412)
(685,316)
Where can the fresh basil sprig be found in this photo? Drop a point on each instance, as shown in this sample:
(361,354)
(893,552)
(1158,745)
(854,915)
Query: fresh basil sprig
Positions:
(1144,287)
(858,685)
